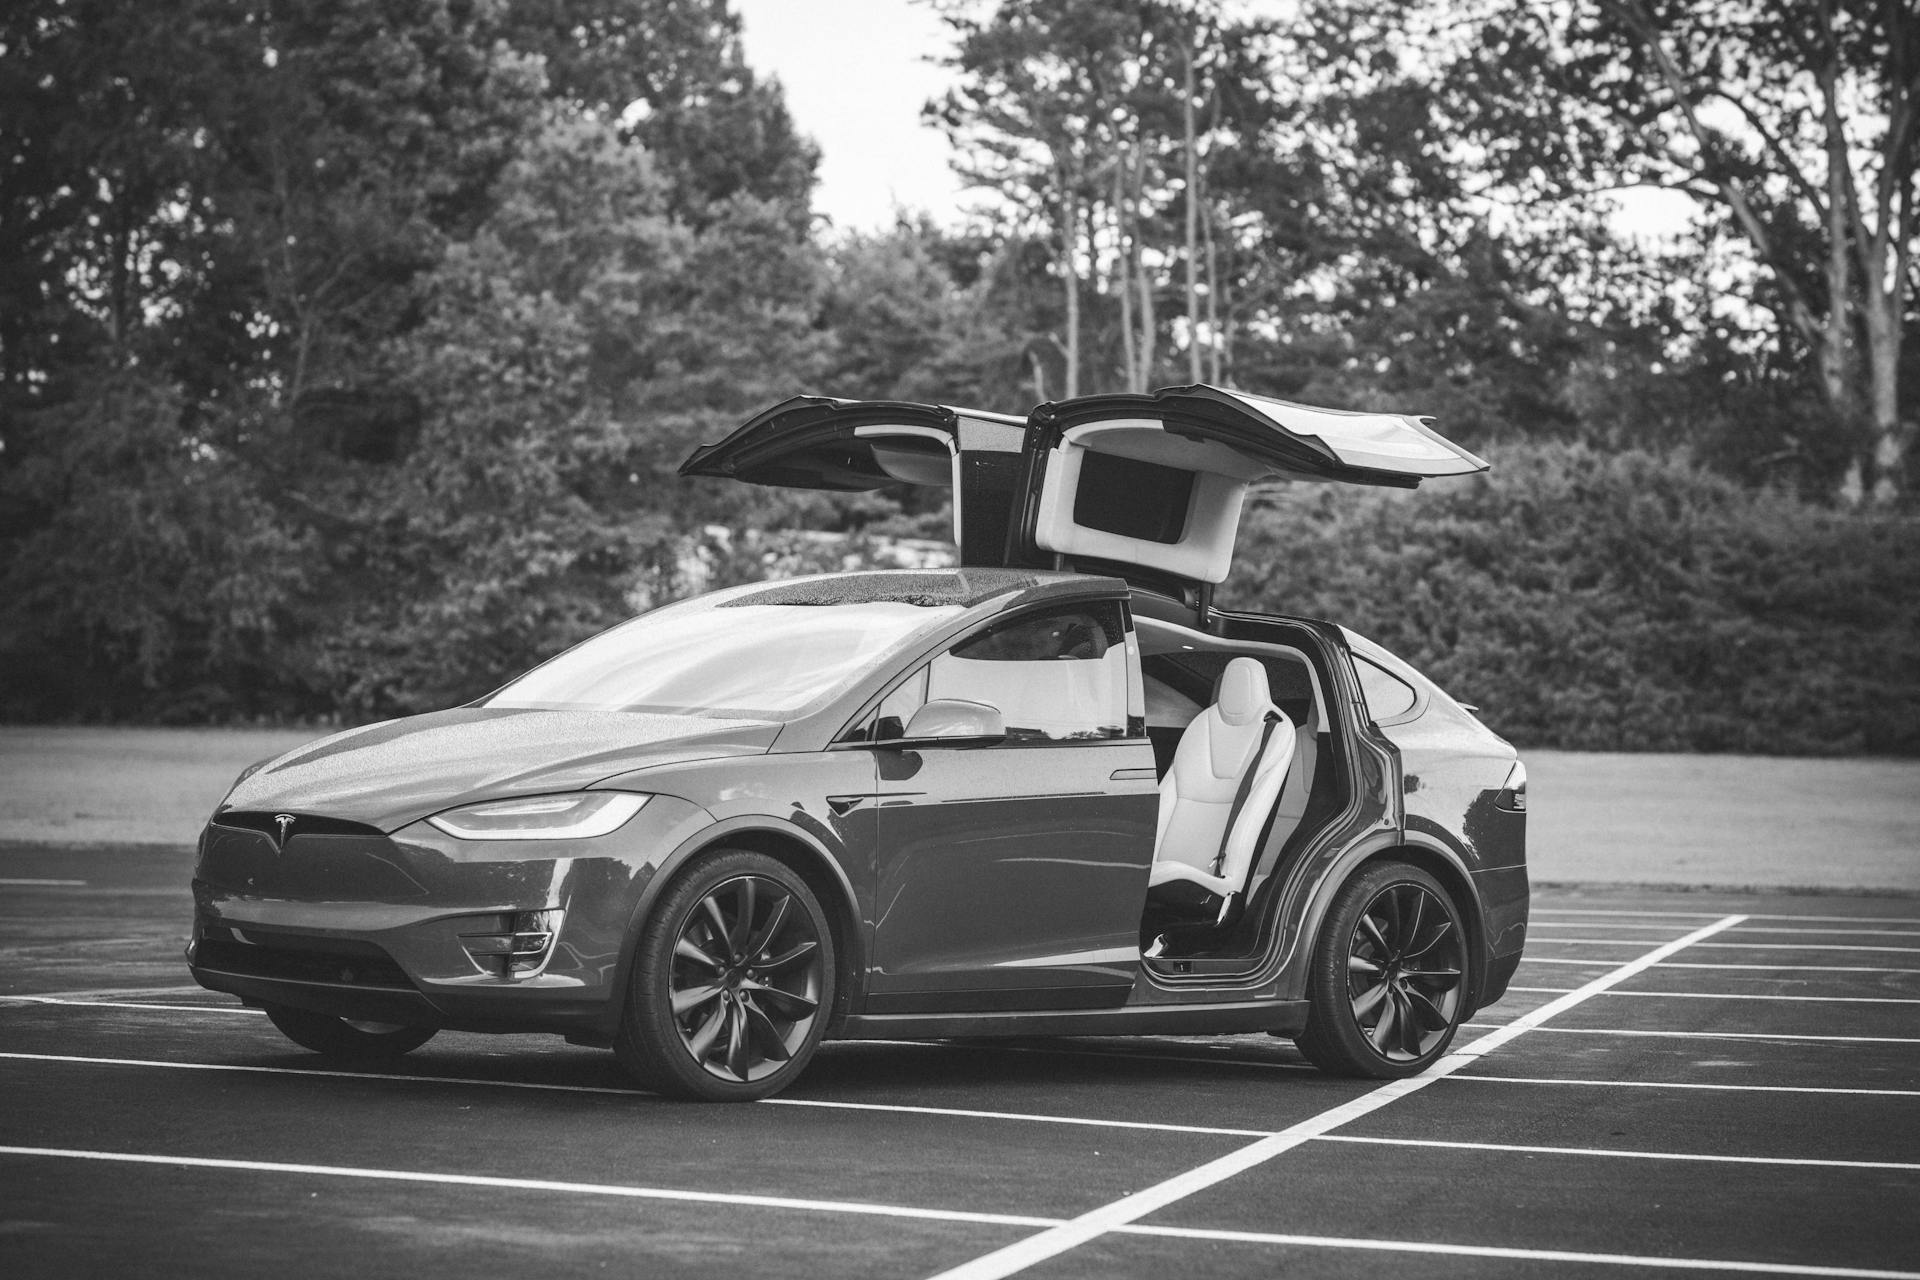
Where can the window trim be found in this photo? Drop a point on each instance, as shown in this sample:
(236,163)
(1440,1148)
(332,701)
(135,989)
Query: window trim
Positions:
(1413,712)
(1323,702)
(861,720)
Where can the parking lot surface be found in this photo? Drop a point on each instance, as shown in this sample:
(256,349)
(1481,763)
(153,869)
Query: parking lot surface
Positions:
(1678,1082)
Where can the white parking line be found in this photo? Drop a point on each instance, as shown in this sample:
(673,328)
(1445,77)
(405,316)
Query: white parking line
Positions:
(965,1113)
(1672,926)
(101,993)
(129,1004)
(1743,929)
(537,1184)
(27,882)
(1727,946)
(1726,995)
(1788,968)
(1710,1035)
(957,1215)
(1771,968)
(1089,1226)
(1599,962)
(1701,1157)
(1710,915)
(1673,1084)
(325,1074)
(1833,933)
(1524,1255)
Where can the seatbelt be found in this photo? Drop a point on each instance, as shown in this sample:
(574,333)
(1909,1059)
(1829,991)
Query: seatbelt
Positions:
(1246,785)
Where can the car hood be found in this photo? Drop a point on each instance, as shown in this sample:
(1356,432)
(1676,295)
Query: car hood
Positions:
(399,771)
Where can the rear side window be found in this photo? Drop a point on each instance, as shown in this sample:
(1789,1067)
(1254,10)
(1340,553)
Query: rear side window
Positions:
(1388,696)
(1132,498)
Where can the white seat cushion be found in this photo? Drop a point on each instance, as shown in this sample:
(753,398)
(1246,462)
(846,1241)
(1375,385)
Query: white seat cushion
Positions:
(1216,752)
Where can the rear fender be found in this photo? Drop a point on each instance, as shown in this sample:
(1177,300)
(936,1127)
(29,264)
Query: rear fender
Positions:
(1439,861)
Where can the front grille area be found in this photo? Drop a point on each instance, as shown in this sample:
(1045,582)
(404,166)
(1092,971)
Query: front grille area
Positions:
(303,824)
(322,860)
(353,964)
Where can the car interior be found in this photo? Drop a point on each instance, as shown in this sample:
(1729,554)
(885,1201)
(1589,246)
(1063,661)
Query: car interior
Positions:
(1192,685)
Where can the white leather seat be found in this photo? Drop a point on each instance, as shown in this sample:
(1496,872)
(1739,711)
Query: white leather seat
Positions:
(1204,840)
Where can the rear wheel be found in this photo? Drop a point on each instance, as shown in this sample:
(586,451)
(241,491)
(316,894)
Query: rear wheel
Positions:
(1388,982)
(732,982)
(347,1039)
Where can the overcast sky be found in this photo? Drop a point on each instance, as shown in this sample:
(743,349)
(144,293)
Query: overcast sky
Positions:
(856,77)
(856,74)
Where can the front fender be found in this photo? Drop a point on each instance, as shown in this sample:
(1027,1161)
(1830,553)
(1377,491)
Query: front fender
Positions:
(750,830)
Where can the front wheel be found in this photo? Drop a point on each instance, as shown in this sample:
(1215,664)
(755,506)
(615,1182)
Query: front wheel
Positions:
(732,982)
(1388,982)
(352,1040)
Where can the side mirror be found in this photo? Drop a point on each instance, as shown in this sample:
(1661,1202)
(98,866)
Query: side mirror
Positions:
(951,722)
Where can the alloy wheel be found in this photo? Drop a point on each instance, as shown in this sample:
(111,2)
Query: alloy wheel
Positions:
(1404,971)
(746,978)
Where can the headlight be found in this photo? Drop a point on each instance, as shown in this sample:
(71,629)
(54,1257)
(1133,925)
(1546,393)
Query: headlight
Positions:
(579,816)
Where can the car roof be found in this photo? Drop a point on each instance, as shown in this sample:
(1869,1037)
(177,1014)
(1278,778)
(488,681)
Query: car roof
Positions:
(967,587)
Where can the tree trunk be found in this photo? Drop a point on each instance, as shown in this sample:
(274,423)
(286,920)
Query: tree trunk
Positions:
(1122,270)
(1834,353)
(1192,201)
(1214,343)
(1888,436)
(1070,275)
(1149,325)
(1865,272)
(1223,365)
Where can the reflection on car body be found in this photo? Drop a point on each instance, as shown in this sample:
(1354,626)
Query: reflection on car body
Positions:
(1052,791)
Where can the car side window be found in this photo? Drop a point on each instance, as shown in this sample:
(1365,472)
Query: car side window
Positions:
(1056,675)
(1388,696)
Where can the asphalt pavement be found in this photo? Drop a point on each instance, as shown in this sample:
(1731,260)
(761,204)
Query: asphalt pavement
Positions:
(1708,1081)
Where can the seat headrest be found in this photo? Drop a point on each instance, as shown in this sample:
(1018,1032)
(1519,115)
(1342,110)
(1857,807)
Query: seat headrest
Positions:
(1244,695)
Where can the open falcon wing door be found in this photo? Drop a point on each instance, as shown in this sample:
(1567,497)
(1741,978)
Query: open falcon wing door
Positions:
(1151,485)
(816,442)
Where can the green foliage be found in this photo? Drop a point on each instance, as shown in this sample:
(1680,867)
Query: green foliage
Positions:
(511,529)
(1615,602)
(904,328)
(147,576)
(348,348)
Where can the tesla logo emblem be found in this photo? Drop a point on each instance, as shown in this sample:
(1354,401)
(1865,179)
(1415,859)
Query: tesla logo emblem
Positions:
(284,821)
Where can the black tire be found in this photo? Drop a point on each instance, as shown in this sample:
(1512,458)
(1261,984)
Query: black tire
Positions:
(1388,983)
(344,1039)
(733,982)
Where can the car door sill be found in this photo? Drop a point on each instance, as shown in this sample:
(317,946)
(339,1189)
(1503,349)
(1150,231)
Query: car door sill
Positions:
(1285,1017)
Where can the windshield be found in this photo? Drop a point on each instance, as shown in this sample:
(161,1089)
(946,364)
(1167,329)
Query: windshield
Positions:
(709,657)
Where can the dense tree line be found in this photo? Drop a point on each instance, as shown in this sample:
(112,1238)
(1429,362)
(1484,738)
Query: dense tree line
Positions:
(347,346)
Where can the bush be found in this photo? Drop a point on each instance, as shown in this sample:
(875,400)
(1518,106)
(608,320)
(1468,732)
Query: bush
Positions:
(1615,601)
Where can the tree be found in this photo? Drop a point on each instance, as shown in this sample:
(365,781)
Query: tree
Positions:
(1794,124)
(344,353)
(905,328)
(674,73)
(224,216)
(519,522)
(1102,124)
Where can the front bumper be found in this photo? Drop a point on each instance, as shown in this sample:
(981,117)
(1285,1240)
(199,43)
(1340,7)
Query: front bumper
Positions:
(389,927)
